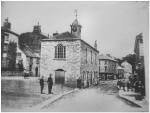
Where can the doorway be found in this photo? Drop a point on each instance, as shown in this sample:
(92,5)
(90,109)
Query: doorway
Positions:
(59,76)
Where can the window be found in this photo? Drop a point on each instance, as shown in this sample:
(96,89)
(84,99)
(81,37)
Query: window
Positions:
(5,48)
(4,55)
(19,54)
(37,61)
(6,38)
(84,76)
(105,62)
(86,55)
(105,68)
(60,51)
(91,57)
(4,62)
(95,58)
(31,60)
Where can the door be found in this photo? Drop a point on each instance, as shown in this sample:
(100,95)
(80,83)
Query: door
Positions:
(59,76)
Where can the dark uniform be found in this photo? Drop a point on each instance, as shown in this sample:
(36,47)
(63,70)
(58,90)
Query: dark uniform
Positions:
(42,84)
(50,84)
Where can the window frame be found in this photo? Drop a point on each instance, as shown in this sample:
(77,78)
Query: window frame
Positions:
(60,52)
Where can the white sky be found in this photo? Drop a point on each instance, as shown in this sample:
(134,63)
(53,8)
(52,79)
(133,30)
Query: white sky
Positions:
(113,24)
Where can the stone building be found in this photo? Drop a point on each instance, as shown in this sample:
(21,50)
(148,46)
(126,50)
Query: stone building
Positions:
(107,67)
(69,58)
(24,54)
(7,36)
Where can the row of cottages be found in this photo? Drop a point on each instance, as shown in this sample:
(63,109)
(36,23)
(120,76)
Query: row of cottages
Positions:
(68,58)
(107,67)
(9,39)
(27,59)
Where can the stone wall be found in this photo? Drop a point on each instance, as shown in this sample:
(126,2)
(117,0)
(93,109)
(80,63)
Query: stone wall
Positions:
(71,64)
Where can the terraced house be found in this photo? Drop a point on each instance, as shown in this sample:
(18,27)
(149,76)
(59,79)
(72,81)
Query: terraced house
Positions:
(107,67)
(67,57)
(9,44)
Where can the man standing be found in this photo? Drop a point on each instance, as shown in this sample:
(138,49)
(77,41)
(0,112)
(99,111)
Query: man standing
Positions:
(42,84)
(50,84)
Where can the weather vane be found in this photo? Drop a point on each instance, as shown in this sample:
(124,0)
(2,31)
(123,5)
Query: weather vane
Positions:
(76,13)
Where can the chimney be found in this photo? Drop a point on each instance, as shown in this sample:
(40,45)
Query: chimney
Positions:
(7,25)
(108,55)
(37,28)
(55,34)
(95,45)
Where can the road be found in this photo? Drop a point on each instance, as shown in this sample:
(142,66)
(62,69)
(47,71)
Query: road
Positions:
(97,99)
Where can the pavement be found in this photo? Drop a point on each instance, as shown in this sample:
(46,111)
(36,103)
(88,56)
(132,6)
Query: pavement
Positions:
(130,96)
(19,94)
(49,101)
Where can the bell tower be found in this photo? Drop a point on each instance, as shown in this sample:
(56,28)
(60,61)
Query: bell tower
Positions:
(76,27)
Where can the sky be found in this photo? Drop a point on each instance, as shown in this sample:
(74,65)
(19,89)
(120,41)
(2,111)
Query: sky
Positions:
(113,24)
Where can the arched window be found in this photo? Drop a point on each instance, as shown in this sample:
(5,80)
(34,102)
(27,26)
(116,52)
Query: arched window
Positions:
(60,51)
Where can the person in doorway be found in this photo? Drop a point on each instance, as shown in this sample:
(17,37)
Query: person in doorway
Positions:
(42,84)
(50,84)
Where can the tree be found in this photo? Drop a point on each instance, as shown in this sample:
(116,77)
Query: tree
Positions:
(119,61)
(12,49)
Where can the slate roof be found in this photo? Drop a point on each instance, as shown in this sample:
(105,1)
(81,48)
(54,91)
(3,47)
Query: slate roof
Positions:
(105,57)
(9,31)
(29,52)
(65,35)
(32,34)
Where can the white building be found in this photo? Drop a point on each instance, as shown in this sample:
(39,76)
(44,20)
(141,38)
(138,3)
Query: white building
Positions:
(127,69)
